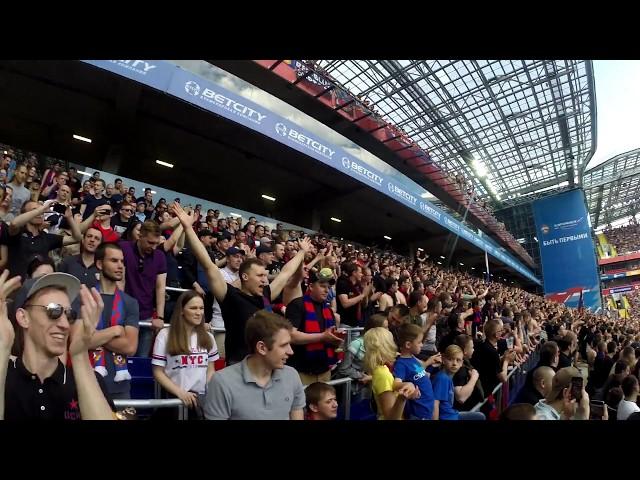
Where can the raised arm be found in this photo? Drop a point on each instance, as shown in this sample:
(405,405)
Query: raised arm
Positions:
(7,333)
(217,283)
(21,220)
(93,404)
(289,269)
(174,238)
(76,235)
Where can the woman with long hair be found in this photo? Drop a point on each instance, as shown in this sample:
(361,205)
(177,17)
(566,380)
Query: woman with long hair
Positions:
(184,353)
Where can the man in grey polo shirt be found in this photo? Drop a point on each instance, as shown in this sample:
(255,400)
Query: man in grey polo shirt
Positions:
(261,387)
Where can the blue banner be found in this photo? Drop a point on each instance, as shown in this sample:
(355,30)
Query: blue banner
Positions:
(569,264)
(210,96)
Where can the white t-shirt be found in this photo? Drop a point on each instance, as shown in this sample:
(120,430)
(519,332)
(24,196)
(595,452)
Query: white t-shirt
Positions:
(626,408)
(216,315)
(188,371)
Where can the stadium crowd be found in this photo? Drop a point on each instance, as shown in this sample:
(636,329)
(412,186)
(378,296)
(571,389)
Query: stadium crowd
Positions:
(84,262)
(624,238)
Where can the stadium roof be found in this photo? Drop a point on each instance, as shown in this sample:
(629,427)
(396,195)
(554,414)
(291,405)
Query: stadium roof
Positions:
(613,188)
(516,127)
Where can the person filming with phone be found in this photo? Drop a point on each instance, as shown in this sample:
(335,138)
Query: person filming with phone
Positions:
(568,400)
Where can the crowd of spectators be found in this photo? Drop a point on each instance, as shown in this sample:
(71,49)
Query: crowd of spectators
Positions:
(624,238)
(436,341)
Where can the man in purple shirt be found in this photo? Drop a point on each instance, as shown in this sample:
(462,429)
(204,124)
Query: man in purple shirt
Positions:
(145,280)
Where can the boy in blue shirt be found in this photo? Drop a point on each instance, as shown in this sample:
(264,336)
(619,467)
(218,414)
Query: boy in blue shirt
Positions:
(443,388)
(408,368)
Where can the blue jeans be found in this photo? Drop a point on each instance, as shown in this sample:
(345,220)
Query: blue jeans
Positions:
(145,341)
(471,416)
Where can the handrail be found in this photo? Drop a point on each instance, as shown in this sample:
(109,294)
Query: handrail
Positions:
(147,324)
(346,393)
(148,403)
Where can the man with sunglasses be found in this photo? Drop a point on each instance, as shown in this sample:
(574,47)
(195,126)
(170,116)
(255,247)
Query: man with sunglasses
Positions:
(37,385)
(121,222)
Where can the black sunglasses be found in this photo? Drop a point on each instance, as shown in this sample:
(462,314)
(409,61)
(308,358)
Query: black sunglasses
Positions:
(55,310)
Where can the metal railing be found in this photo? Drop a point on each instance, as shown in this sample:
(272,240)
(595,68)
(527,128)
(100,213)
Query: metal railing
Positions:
(183,412)
(504,392)
(154,403)
(346,394)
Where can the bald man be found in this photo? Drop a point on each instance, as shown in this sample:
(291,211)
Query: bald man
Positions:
(540,387)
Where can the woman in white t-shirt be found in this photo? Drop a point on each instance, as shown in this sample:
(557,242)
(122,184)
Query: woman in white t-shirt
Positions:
(184,354)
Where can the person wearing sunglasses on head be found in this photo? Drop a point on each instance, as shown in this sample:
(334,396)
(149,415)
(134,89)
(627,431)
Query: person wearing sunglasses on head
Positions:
(37,385)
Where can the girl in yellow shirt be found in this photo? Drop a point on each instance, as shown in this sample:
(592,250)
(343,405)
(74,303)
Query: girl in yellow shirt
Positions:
(390,394)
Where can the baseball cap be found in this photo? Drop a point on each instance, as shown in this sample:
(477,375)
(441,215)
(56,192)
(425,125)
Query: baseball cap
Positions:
(266,240)
(224,236)
(324,275)
(234,251)
(263,249)
(205,233)
(32,286)
(562,380)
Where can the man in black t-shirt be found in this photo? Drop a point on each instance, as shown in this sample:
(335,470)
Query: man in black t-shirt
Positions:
(121,222)
(313,336)
(37,385)
(491,367)
(91,202)
(238,304)
(350,296)
(27,240)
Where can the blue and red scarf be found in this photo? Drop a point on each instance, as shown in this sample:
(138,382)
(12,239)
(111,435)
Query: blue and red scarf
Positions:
(318,350)
(97,356)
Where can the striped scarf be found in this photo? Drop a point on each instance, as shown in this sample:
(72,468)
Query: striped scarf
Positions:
(318,350)
(98,358)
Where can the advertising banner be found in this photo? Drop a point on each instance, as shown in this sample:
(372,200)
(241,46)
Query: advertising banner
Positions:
(567,252)
(210,96)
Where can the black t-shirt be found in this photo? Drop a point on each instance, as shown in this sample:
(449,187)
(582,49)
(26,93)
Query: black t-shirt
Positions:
(564,361)
(54,399)
(348,316)
(275,267)
(92,203)
(115,200)
(296,315)
(460,379)
(74,184)
(487,360)
(379,283)
(24,247)
(237,307)
(119,226)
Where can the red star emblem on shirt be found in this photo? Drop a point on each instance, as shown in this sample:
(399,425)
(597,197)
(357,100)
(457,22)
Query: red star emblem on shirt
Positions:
(73,404)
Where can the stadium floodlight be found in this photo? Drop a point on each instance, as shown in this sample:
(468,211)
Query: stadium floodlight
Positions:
(480,168)
(387,237)
(82,139)
(337,220)
(462,264)
(420,249)
(267,197)
(441,257)
(439,263)
(164,164)
(234,214)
